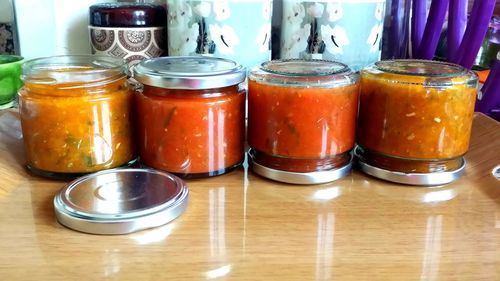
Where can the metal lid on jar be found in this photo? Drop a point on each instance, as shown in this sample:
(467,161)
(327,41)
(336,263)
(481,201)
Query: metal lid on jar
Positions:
(189,73)
(316,177)
(304,73)
(425,72)
(127,15)
(120,201)
(424,179)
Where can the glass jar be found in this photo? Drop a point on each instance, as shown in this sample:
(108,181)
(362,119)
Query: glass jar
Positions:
(134,31)
(415,120)
(301,120)
(348,31)
(232,29)
(191,115)
(76,115)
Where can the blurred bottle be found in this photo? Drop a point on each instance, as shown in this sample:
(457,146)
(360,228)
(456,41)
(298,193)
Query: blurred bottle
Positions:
(491,45)
(489,49)
(53,27)
(8,43)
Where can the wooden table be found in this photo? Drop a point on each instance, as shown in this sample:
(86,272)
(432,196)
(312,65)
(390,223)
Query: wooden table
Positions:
(242,227)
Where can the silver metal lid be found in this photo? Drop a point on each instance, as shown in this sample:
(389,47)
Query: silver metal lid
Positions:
(299,178)
(425,179)
(120,201)
(189,73)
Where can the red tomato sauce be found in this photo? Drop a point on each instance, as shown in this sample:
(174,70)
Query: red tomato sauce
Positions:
(303,129)
(191,132)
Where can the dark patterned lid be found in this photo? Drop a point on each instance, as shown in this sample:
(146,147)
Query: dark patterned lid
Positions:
(127,15)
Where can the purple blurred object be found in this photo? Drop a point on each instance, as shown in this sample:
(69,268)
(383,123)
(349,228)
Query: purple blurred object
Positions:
(397,43)
(433,28)
(457,21)
(418,18)
(395,28)
(475,32)
(490,93)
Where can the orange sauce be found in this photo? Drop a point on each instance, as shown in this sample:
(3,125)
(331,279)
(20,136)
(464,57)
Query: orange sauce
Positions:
(191,132)
(73,128)
(410,121)
(301,124)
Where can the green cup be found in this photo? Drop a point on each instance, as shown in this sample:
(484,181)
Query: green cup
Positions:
(10,79)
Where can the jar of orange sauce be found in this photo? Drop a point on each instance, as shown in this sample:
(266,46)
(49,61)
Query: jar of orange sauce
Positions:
(76,115)
(301,120)
(415,120)
(190,115)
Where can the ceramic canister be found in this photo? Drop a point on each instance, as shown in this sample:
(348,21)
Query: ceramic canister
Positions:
(132,31)
(235,29)
(348,31)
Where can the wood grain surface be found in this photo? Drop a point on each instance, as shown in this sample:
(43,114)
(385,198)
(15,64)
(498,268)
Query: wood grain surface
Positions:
(240,226)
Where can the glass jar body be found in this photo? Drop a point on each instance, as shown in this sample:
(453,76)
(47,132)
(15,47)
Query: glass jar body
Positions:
(410,124)
(301,129)
(71,129)
(191,133)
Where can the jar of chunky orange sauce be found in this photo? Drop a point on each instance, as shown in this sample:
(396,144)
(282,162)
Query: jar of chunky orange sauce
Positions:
(301,120)
(191,115)
(76,115)
(415,120)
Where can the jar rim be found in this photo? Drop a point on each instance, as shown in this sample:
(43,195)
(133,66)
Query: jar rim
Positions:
(301,73)
(89,70)
(424,68)
(302,67)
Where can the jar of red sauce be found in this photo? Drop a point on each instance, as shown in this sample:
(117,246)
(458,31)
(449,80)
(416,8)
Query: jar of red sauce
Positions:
(191,115)
(301,120)
(76,115)
(415,120)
